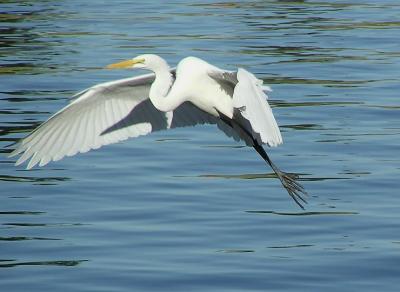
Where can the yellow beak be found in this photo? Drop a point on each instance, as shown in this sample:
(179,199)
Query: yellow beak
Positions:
(125,64)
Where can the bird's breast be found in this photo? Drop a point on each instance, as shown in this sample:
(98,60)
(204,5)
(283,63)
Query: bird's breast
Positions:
(211,98)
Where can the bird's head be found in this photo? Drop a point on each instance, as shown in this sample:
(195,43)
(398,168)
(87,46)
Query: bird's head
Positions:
(146,61)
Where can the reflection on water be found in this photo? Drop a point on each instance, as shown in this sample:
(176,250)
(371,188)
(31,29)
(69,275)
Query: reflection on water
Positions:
(21,213)
(121,219)
(292,246)
(240,176)
(282,103)
(327,83)
(303,127)
(13,263)
(304,213)
(30,95)
(21,238)
(32,179)
(43,224)
(303,176)
(20,40)
(235,250)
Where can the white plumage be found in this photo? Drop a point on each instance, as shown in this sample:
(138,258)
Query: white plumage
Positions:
(199,93)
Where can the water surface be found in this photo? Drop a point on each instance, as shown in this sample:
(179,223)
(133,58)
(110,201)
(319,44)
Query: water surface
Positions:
(190,209)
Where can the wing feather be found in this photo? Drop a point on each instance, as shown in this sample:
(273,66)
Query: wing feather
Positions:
(103,114)
(78,126)
(252,110)
(115,111)
(249,97)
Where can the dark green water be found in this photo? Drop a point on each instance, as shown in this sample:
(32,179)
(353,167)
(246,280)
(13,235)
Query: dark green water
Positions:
(189,209)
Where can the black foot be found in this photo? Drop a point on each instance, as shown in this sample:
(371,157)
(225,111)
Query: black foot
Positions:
(288,180)
(295,189)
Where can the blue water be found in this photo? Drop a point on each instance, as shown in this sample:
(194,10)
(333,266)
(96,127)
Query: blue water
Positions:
(190,209)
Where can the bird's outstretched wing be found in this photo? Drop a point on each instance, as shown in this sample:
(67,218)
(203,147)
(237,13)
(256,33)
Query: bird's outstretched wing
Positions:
(103,114)
(252,110)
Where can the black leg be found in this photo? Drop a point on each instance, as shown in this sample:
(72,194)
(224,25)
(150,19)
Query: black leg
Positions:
(288,180)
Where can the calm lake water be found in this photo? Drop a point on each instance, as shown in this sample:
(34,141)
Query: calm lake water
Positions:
(190,209)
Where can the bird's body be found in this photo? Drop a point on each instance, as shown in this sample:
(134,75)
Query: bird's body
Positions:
(204,91)
(196,93)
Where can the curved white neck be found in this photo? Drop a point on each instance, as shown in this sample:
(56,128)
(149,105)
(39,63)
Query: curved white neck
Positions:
(160,88)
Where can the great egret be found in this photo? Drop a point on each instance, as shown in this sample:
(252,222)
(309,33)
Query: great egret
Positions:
(195,93)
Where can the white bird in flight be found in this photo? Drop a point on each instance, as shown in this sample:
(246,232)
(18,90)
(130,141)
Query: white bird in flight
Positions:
(195,93)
